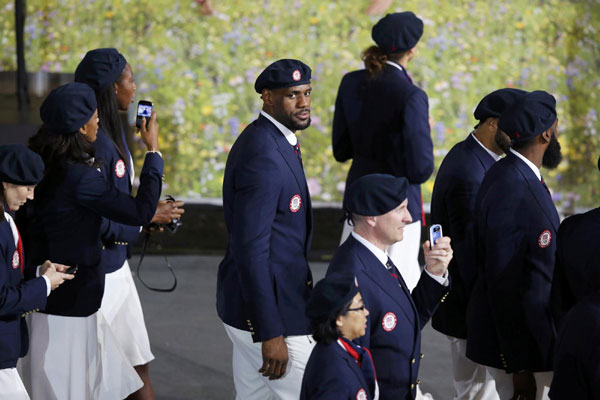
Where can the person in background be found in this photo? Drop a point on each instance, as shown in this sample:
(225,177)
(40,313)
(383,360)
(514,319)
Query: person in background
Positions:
(111,77)
(510,328)
(264,281)
(378,205)
(74,353)
(338,368)
(20,171)
(381,122)
(452,206)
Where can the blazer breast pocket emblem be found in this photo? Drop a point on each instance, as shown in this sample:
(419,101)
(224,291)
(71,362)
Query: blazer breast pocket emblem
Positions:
(295,203)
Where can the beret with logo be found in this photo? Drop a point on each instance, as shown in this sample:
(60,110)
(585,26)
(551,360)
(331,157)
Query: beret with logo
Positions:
(531,115)
(495,103)
(283,74)
(375,194)
(330,295)
(100,68)
(69,107)
(397,32)
(20,166)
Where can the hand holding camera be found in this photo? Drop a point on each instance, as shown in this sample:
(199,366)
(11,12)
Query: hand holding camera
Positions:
(168,216)
(149,131)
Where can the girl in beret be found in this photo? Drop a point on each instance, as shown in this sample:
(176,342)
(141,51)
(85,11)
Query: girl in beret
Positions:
(110,75)
(20,171)
(74,353)
(338,369)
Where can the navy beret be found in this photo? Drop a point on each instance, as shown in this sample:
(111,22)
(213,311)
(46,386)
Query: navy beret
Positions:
(68,107)
(20,166)
(375,194)
(528,117)
(100,67)
(330,295)
(282,74)
(495,103)
(397,32)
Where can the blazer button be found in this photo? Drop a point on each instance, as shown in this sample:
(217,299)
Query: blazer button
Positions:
(413,361)
(412,386)
(308,283)
(418,381)
(422,355)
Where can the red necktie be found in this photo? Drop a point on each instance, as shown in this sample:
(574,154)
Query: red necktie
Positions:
(20,249)
(546,187)
(298,153)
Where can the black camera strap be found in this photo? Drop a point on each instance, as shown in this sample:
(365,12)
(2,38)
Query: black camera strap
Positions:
(164,290)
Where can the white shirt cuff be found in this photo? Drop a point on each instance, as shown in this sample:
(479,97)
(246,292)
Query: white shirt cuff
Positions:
(48,285)
(442,280)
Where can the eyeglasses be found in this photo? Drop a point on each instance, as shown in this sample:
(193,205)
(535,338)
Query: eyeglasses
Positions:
(361,308)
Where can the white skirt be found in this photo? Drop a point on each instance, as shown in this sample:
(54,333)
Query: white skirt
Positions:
(11,386)
(122,310)
(76,358)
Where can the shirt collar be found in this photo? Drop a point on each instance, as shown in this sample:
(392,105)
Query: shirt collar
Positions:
(393,64)
(381,255)
(495,156)
(289,135)
(531,165)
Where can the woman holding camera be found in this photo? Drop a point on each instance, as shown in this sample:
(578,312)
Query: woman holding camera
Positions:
(20,171)
(338,369)
(74,354)
(110,75)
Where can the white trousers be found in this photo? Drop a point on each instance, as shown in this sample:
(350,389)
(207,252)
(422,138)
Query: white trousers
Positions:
(11,386)
(247,360)
(472,381)
(504,383)
(404,254)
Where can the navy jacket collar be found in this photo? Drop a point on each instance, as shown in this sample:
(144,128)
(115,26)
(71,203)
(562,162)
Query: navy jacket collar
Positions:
(484,158)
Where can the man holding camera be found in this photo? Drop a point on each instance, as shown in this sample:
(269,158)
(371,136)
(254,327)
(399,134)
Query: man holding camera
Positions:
(378,208)
(264,280)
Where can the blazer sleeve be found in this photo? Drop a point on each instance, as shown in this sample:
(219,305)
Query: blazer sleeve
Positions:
(427,295)
(257,189)
(416,137)
(103,198)
(340,135)
(116,232)
(24,297)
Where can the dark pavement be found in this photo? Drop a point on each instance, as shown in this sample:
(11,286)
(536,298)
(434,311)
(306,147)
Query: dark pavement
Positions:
(192,350)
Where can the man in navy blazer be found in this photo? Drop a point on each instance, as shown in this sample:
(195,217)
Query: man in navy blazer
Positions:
(381,122)
(452,206)
(264,281)
(378,206)
(509,324)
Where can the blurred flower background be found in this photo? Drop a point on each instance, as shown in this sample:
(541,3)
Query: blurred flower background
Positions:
(199,68)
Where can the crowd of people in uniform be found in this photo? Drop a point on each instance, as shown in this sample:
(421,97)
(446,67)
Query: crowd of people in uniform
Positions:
(515,291)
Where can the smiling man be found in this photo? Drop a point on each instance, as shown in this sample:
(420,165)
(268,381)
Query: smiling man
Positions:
(264,281)
(378,208)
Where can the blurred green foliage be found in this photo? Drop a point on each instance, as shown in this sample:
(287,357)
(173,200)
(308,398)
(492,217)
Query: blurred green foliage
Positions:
(199,71)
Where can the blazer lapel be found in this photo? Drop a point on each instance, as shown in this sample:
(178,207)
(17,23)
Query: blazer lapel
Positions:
(352,364)
(538,190)
(373,268)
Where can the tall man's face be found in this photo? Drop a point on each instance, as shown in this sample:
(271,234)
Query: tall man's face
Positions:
(291,106)
(552,156)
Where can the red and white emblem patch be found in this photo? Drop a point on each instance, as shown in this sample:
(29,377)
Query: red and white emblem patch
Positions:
(545,239)
(361,394)
(120,169)
(295,203)
(296,75)
(16,261)
(389,321)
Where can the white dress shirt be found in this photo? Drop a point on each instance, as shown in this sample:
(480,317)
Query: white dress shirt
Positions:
(289,135)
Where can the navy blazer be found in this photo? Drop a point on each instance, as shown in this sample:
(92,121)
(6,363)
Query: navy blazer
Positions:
(509,319)
(396,317)
(117,238)
(63,224)
(576,272)
(17,298)
(382,124)
(453,206)
(332,374)
(577,358)
(264,281)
